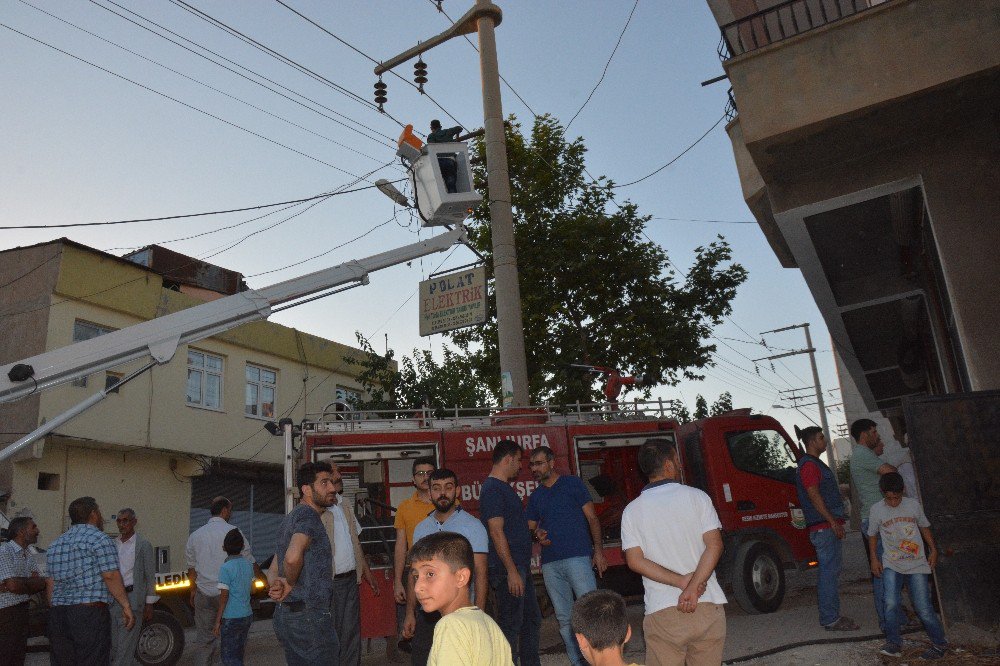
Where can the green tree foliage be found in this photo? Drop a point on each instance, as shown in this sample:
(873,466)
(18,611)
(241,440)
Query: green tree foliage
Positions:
(700,407)
(722,405)
(763,452)
(594,288)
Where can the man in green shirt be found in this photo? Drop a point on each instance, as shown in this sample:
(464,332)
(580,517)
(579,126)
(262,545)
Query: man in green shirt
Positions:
(866,468)
(447,162)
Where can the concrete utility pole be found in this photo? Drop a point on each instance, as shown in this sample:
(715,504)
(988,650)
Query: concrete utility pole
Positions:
(483,18)
(830,456)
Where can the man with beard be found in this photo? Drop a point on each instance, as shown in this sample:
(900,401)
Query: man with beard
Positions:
(447,517)
(562,518)
(20,577)
(303,588)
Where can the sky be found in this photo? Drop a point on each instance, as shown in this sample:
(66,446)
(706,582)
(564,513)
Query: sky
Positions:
(149,128)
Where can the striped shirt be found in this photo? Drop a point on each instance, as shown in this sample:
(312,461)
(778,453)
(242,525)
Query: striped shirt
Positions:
(76,561)
(15,562)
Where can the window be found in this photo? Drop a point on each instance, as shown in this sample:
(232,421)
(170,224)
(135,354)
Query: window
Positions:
(204,381)
(763,452)
(84,330)
(348,396)
(260,392)
(111,379)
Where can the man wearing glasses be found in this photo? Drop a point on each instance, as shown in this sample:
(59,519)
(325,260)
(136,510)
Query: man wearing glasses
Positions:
(409,513)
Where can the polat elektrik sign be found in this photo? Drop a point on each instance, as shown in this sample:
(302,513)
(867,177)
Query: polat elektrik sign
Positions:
(453,301)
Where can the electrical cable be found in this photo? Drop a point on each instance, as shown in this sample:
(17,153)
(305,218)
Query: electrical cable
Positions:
(606,65)
(362,53)
(388,138)
(680,155)
(174,99)
(283,58)
(685,219)
(30,271)
(201,83)
(186,215)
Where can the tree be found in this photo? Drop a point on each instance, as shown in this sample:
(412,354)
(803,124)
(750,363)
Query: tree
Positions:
(722,405)
(700,407)
(594,288)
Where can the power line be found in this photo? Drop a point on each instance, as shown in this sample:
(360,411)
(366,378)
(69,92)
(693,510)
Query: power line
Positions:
(174,99)
(680,155)
(685,219)
(325,195)
(606,65)
(362,53)
(245,69)
(201,83)
(282,58)
(30,271)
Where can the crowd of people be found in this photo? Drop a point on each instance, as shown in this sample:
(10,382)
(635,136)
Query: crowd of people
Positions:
(448,563)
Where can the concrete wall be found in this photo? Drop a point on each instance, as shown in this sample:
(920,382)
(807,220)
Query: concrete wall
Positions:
(139,479)
(889,52)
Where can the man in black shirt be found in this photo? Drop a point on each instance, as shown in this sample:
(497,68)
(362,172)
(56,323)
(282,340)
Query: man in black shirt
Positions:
(447,162)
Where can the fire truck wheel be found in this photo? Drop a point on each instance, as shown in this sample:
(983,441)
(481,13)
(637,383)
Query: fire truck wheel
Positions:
(758,578)
(161,641)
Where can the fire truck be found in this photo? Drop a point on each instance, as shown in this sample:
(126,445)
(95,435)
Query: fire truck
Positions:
(745,462)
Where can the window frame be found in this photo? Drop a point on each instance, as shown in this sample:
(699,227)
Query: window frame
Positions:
(81,382)
(732,435)
(260,384)
(205,372)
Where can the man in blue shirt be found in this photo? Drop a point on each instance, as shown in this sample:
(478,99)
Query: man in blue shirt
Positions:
(509,559)
(446,517)
(83,577)
(561,517)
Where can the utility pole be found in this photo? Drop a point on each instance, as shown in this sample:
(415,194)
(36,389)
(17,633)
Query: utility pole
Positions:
(483,18)
(830,455)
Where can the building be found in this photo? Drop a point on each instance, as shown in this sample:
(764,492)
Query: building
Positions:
(176,436)
(866,135)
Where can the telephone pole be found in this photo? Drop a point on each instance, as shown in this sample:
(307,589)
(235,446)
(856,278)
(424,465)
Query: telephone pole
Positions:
(483,18)
(830,456)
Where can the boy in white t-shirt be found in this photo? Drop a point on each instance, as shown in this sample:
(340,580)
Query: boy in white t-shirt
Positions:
(904,529)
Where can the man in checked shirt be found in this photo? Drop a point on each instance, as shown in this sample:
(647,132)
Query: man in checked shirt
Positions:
(83,577)
(19,579)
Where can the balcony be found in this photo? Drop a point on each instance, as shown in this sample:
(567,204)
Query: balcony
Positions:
(785,20)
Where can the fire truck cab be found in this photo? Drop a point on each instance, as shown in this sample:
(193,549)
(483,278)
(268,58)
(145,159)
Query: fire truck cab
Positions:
(728,457)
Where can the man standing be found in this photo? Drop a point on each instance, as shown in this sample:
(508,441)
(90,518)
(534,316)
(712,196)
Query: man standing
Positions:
(138,568)
(446,161)
(823,507)
(509,559)
(349,566)
(447,517)
(561,516)
(866,468)
(205,555)
(304,586)
(676,559)
(19,579)
(410,512)
(83,569)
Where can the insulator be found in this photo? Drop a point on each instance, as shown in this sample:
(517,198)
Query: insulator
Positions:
(420,74)
(380,94)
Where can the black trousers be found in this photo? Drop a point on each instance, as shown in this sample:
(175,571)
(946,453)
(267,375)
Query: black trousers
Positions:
(13,633)
(423,637)
(80,635)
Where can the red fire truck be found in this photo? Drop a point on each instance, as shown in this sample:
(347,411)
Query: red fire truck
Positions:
(745,462)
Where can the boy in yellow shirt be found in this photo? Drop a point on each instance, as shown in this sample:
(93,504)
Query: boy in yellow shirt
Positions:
(441,565)
(601,627)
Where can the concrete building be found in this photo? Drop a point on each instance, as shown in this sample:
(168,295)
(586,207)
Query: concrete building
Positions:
(866,140)
(176,436)
(866,134)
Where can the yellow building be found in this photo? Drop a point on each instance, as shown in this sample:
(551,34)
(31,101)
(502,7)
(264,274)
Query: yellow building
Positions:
(176,436)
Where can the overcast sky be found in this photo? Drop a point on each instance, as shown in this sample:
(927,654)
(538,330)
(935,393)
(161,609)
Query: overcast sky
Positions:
(139,140)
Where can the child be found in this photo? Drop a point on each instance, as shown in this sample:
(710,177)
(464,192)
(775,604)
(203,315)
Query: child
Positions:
(441,565)
(601,627)
(232,623)
(901,522)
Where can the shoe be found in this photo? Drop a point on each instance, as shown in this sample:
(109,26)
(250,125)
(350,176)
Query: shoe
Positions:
(843,623)
(404,645)
(934,652)
(891,650)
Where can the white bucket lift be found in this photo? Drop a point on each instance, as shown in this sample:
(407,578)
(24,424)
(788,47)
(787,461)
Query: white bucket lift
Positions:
(438,206)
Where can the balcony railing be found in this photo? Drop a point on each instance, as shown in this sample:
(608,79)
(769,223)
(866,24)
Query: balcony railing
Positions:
(785,20)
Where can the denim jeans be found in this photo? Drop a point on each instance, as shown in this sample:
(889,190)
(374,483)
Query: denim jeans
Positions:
(829,554)
(233,639)
(519,617)
(308,636)
(566,580)
(878,587)
(920,595)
